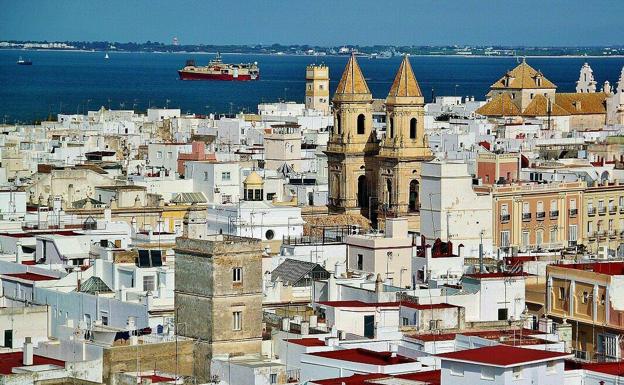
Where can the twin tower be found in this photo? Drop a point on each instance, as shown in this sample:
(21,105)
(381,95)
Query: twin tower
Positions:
(369,174)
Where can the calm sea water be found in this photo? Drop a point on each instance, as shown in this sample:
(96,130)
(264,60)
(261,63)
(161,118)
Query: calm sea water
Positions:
(74,81)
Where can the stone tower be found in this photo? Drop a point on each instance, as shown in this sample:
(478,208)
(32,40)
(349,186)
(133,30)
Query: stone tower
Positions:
(586,82)
(352,145)
(317,88)
(218,297)
(404,147)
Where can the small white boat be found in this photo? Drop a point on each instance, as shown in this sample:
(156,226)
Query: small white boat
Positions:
(106,56)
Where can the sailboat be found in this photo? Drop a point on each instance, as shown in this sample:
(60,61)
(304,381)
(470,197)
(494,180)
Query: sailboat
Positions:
(23,62)
(106,56)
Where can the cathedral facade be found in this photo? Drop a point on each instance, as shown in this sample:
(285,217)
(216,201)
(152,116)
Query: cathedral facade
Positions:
(369,174)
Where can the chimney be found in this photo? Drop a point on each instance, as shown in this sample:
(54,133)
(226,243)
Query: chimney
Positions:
(27,358)
(305,328)
(18,252)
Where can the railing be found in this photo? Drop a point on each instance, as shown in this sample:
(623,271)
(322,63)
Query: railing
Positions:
(554,214)
(293,376)
(612,209)
(540,215)
(591,211)
(573,213)
(526,217)
(621,209)
(505,218)
(612,233)
(602,210)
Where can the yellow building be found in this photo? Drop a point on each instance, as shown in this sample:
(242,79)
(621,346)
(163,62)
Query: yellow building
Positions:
(317,88)
(404,147)
(603,217)
(525,92)
(367,176)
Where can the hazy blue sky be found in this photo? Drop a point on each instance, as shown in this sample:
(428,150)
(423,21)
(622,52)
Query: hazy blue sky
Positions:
(325,22)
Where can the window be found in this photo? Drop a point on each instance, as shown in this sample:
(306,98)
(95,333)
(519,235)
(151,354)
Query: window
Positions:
(610,224)
(504,238)
(457,370)
(258,194)
(413,123)
(585,297)
(590,227)
(525,238)
(404,321)
(273,378)
(360,124)
(525,208)
(487,373)
(149,283)
(553,205)
(225,175)
(270,196)
(205,175)
(540,207)
(390,128)
(503,314)
(539,237)
(562,293)
(237,320)
(517,373)
(553,235)
(169,155)
(338,124)
(551,367)
(360,262)
(103,317)
(621,202)
(573,204)
(237,274)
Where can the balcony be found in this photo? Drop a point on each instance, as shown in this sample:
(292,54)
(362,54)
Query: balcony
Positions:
(612,210)
(573,213)
(621,209)
(504,218)
(600,234)
(526,217)
(591,211)
(612,234)
(602,210)
(540,215)
(591,236)
(554,214)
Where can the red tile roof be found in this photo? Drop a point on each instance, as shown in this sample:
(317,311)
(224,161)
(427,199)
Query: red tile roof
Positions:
(306,341)
(613,368)
(358,304)
(608,268)
(502,355)
(422,306)
(8,361)
(430,377)
(30,276)
(156,378)
(364,356)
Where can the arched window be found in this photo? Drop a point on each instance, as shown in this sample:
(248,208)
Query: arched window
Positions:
(362,192)
(360,124)
(414,203)
(413,128)
(391,128)
(338,124)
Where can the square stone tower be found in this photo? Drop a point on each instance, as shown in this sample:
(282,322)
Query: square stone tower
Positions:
(317,88)
(218,297)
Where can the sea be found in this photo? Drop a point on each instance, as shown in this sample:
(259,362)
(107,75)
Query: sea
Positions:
(75,82)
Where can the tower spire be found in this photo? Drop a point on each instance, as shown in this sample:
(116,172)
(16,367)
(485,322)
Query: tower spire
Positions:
(405,83)
(352,81)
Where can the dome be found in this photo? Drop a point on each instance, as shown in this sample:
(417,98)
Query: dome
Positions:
(253,179)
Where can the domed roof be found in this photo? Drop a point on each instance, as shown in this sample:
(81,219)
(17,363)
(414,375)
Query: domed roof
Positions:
(253,179)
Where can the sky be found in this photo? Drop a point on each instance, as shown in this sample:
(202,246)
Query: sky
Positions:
(318,22)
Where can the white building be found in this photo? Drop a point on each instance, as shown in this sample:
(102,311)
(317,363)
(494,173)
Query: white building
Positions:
(452,210)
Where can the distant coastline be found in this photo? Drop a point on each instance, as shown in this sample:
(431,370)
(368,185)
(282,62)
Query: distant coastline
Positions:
(378,51)
(619,56)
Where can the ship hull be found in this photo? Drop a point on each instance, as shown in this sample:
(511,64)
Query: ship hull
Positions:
(187,75)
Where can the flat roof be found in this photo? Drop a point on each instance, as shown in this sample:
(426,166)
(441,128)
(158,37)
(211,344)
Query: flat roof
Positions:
(422,306)
(608,268)
(8,361)
(503,355)
(365,356)
(358,304)
(31,276)
(306,341)
(354,379)
(615,368)
(518,334)
(497,275)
